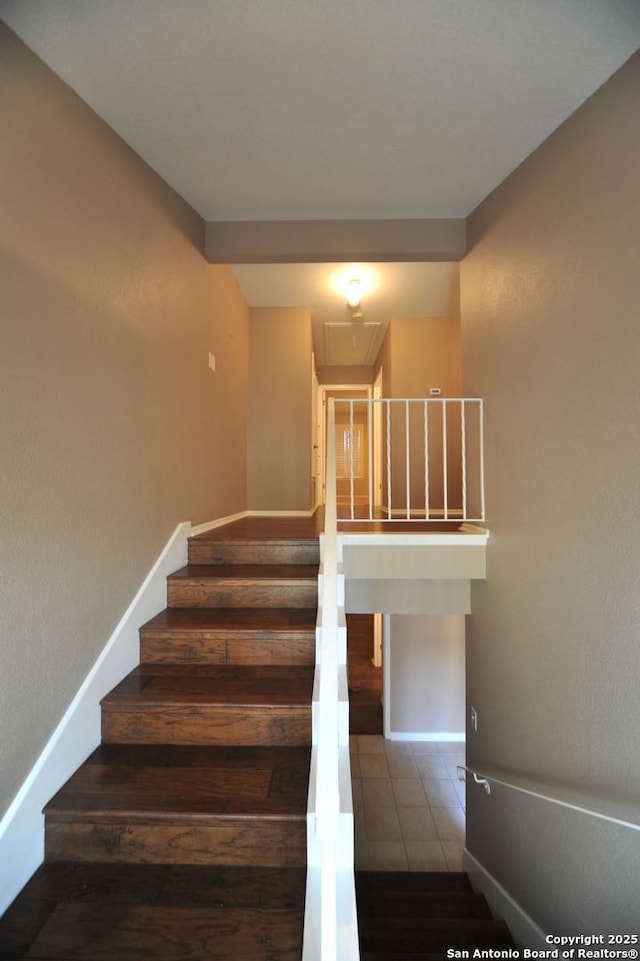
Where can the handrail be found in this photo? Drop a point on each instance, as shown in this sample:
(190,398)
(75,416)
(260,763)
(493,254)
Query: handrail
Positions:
(330,928)
(444,433)
(488,776)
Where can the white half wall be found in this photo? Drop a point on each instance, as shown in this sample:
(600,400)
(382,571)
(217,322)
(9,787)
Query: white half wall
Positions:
(78,733)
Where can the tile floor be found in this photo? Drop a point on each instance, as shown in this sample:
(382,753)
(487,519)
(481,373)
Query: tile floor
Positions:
(409,805)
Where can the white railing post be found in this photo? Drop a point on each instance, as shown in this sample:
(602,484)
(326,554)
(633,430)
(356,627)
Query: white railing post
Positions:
(351,461)
(426,460)
(481,410)
(463,445)
(407,431)
(469,476)
(445,471)
(389,513)
(370,415)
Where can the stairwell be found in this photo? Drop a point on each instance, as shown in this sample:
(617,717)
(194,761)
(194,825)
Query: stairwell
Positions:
(416,916)
(184,834)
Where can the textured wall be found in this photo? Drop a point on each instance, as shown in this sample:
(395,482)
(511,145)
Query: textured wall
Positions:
(419,353)
(425,352)
(551,339)
(345,375)
(279,428)
(113,428)
(426,690)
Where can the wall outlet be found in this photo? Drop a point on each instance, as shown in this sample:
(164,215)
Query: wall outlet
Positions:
(474,718)
(212,361)
(434,392)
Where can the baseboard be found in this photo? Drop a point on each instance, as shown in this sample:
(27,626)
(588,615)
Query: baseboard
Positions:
(78,733)
(426,736)
(524,930)
(230,518)
(308,513)
(220,522)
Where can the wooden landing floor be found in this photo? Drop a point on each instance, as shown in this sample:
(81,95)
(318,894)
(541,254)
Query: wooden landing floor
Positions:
(365,680)
(249,528)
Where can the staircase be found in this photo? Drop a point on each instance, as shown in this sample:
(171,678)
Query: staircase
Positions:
(183,836)
(200,783)
(417,916)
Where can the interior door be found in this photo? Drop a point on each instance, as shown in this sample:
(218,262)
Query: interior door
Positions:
(352,453)
(348,442)
(316,442)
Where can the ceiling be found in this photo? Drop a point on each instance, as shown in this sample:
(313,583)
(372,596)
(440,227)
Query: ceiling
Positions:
(398,289)
(319,109)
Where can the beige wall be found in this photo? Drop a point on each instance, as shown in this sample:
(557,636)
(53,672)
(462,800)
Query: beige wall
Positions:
(425,352)
(426,673)
(345,375)
(279,427)
(419,353)
(113,428)
(383,360)
(551,339)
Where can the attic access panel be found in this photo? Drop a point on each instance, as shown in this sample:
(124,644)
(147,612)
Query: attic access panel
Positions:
(351,344)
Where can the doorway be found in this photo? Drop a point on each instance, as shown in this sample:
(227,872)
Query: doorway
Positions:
(356,450)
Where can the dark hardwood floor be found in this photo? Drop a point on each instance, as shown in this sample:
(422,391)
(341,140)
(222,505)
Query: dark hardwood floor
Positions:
(365,680)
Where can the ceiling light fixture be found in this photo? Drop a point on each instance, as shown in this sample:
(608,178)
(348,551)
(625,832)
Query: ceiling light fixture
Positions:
(353,292)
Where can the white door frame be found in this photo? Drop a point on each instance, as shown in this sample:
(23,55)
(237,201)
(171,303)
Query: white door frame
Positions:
(377,441)
(316,432)
(323,390)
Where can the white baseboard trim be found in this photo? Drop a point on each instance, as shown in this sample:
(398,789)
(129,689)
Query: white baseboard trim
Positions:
(526,933)
(78,733)
(308,513)
(230,518)
(426,736)
(220,522)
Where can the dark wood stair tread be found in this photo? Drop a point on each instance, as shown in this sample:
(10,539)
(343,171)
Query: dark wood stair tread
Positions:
(87,911)
(249,572)
(265,621)
(170,884)
(190,781)
(241,685)
(80,932)
(266,529)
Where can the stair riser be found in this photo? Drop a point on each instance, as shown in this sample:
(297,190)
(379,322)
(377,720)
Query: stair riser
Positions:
(471,906)
(203,648)
(239,553)
(221,593)
(260,844)
(401,884)
(208,725)
(434,936)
